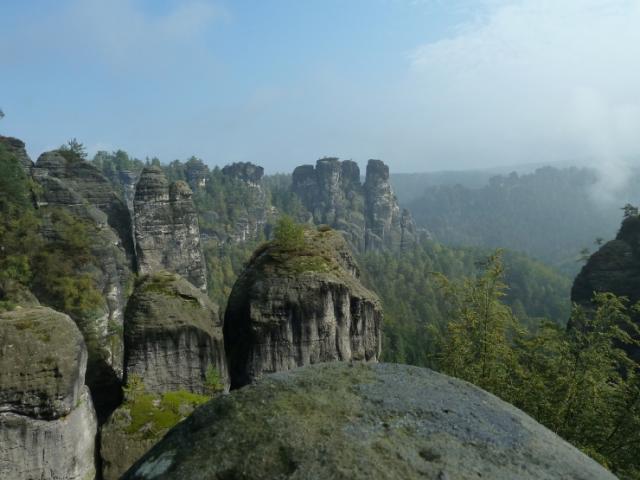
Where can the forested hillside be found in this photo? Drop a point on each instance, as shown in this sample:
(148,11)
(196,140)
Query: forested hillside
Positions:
(551,214)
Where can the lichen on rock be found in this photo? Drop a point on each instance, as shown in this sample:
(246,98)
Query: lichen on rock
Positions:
(362,421)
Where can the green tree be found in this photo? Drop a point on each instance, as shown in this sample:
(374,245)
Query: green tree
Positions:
(477,345)
(288,234)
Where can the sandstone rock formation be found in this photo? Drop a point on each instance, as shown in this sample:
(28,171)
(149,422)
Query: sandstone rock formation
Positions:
(173,345)
(253,212)
(79,189)
(614,268)
(367,215)
(17,148)
(363,421)
(295,307)
(197,173)
(166,228)
(173,335)
(386,225)
(47,421)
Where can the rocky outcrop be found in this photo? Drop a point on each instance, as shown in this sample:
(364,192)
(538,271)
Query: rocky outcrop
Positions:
(367,215)
(174,349)
(332,193)
(173,335)
(197,173)
(386,225)
(296,306)
(166,228)
(614,268)
(47,421)
(253,213)
(363,421)
(77,188)
(17,148)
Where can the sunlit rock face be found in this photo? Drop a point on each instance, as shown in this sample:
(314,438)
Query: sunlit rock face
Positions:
(166,228)
(366,214)
(364,421)
(294,308)
(47,421)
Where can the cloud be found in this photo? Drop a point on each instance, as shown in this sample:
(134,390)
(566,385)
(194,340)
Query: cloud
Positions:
(535,80)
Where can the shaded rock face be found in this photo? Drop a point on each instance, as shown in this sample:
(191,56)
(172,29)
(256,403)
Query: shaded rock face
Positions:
(17,148)
(367,215)
(166,228)
(173,335)
(614,268)
(289,309)
(363,421)
(253,213)
(197,174)
(78,188)
(386,225)
(47,421)
(245,171)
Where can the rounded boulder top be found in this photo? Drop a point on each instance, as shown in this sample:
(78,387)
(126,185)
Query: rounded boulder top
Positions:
(362,421)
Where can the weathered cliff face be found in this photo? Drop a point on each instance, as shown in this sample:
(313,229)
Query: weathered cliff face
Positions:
(197,174)
(386,225)
(296,307)
(363,421)
(367,215)
(174,348)
(332,193)
(166,228)
(253,212)
(173,335)
(47,421)
(17,148)
(614,268)
(78,188)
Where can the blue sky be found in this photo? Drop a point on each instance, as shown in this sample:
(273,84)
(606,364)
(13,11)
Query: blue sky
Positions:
(422,84)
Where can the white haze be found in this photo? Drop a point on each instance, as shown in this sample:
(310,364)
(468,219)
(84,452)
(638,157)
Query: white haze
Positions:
(536,81)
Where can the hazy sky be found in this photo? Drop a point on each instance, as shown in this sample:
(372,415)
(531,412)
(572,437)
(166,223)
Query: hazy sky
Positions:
(422,84)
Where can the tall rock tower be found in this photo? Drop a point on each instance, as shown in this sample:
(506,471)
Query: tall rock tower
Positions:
(166,228)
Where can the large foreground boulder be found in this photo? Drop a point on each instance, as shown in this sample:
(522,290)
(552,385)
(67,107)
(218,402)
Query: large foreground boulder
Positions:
(295,305)
(47,421)
(362,421)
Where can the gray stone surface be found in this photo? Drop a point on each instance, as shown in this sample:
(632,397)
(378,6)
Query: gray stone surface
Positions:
(60,449)
(173,334)
(166,228)
(17,148)
(289,309)
(367,215)
(43,360)
(363,421)
(47,420)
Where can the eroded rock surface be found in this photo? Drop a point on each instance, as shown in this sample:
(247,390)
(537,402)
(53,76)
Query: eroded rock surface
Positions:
(47,421)
(77,188)
(166,228)
(296,307)
(173,335)
(367,215)
(363,421)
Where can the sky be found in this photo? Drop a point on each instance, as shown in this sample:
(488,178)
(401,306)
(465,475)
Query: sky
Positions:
(422,84)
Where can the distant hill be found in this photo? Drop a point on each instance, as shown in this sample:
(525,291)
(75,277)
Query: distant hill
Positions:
(551,213)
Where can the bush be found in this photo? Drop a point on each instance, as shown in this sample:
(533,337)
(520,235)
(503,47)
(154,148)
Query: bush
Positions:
(288,234)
